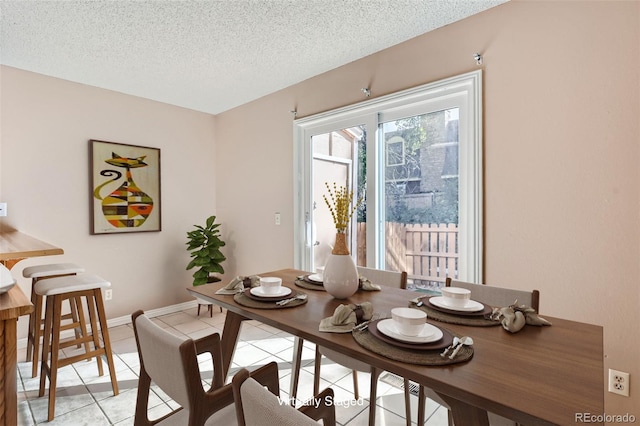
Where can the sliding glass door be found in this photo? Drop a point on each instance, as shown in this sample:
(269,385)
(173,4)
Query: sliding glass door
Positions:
(415,157)
(420,172)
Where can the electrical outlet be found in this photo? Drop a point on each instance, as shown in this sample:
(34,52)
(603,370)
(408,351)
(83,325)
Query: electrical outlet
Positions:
(108,294)
(3,209)
(277,218)
(619,382)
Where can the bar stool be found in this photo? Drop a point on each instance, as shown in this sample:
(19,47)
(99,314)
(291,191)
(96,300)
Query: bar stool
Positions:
(65,288)
(41,272)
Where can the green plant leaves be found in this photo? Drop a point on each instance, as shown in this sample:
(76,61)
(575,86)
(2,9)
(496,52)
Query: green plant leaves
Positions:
(204,246)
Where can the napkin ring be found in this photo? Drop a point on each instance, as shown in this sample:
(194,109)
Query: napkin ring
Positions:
(359,311)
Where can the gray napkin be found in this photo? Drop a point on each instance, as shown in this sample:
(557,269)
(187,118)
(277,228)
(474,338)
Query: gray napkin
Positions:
(345,317)
(367,285)
(237,284)
(514,317)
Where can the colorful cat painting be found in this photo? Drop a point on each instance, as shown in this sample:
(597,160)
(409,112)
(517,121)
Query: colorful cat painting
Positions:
(128,206)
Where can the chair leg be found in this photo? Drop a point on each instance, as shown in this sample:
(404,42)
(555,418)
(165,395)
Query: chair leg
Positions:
(32,316)
(53,322)
(78,331)
(102,318)
(199,305)
(295,368)
(34,334)
(82,329)
(46,348)
(375,373)
(407,401)
(94,332)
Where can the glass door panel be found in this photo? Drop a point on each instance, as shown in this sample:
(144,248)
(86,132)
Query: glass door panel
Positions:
(420,170)
(335,159)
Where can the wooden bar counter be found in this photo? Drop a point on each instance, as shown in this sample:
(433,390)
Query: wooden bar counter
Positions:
(14,246)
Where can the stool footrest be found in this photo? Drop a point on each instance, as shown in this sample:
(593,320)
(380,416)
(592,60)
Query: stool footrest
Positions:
(75,341)
(70,360)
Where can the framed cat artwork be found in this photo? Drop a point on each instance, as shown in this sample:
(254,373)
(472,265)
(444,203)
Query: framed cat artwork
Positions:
(125,188)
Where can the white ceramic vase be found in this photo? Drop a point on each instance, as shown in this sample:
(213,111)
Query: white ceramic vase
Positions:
(340,276)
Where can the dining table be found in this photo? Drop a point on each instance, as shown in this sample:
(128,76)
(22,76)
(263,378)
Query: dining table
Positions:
(551,375)
(14,247)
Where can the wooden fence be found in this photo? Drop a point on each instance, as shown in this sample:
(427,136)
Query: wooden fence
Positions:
(429,253)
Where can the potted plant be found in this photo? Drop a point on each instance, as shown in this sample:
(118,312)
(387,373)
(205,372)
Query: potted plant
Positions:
(204,247)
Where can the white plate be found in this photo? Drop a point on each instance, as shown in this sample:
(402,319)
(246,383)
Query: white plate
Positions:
(429,333)
(315,278)
(258,291)
(471,306)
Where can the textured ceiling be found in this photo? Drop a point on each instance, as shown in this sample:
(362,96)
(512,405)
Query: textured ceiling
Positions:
(209,56)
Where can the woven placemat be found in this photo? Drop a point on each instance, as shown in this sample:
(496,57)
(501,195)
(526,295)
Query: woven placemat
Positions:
(243,300)
(411,356)
(434,314)
(308,285)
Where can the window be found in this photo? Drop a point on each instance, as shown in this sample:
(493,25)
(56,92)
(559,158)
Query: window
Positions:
(415,157)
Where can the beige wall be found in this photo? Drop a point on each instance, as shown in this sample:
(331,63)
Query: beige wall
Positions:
(561,137)
(561,150)
(44,170)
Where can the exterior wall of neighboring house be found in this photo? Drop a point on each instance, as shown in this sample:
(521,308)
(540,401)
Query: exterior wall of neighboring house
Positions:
(418,177)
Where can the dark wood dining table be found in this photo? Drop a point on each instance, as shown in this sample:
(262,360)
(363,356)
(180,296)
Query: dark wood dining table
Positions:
(538,376)
(14,247)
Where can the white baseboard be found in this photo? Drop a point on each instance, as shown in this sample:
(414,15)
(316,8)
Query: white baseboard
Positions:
(124,320)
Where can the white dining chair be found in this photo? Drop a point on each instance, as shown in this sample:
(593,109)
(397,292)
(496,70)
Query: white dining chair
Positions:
(171,363)
(496,297)
(258,403)
(383,278)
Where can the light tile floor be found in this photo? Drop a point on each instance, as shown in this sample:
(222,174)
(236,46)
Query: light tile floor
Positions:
(84,398)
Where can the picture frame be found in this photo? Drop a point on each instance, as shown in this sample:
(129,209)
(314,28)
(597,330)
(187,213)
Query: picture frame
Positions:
(125,188)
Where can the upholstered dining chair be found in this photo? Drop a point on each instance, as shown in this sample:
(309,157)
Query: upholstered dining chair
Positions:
(384,278)
(171,363)
(257,402)
(496,297)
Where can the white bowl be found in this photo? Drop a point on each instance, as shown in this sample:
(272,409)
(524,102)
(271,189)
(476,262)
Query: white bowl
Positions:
(408,321)
(270,285)
(456,296)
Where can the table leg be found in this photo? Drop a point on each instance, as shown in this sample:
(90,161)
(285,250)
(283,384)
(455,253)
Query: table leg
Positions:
(229,339)
(465,414)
